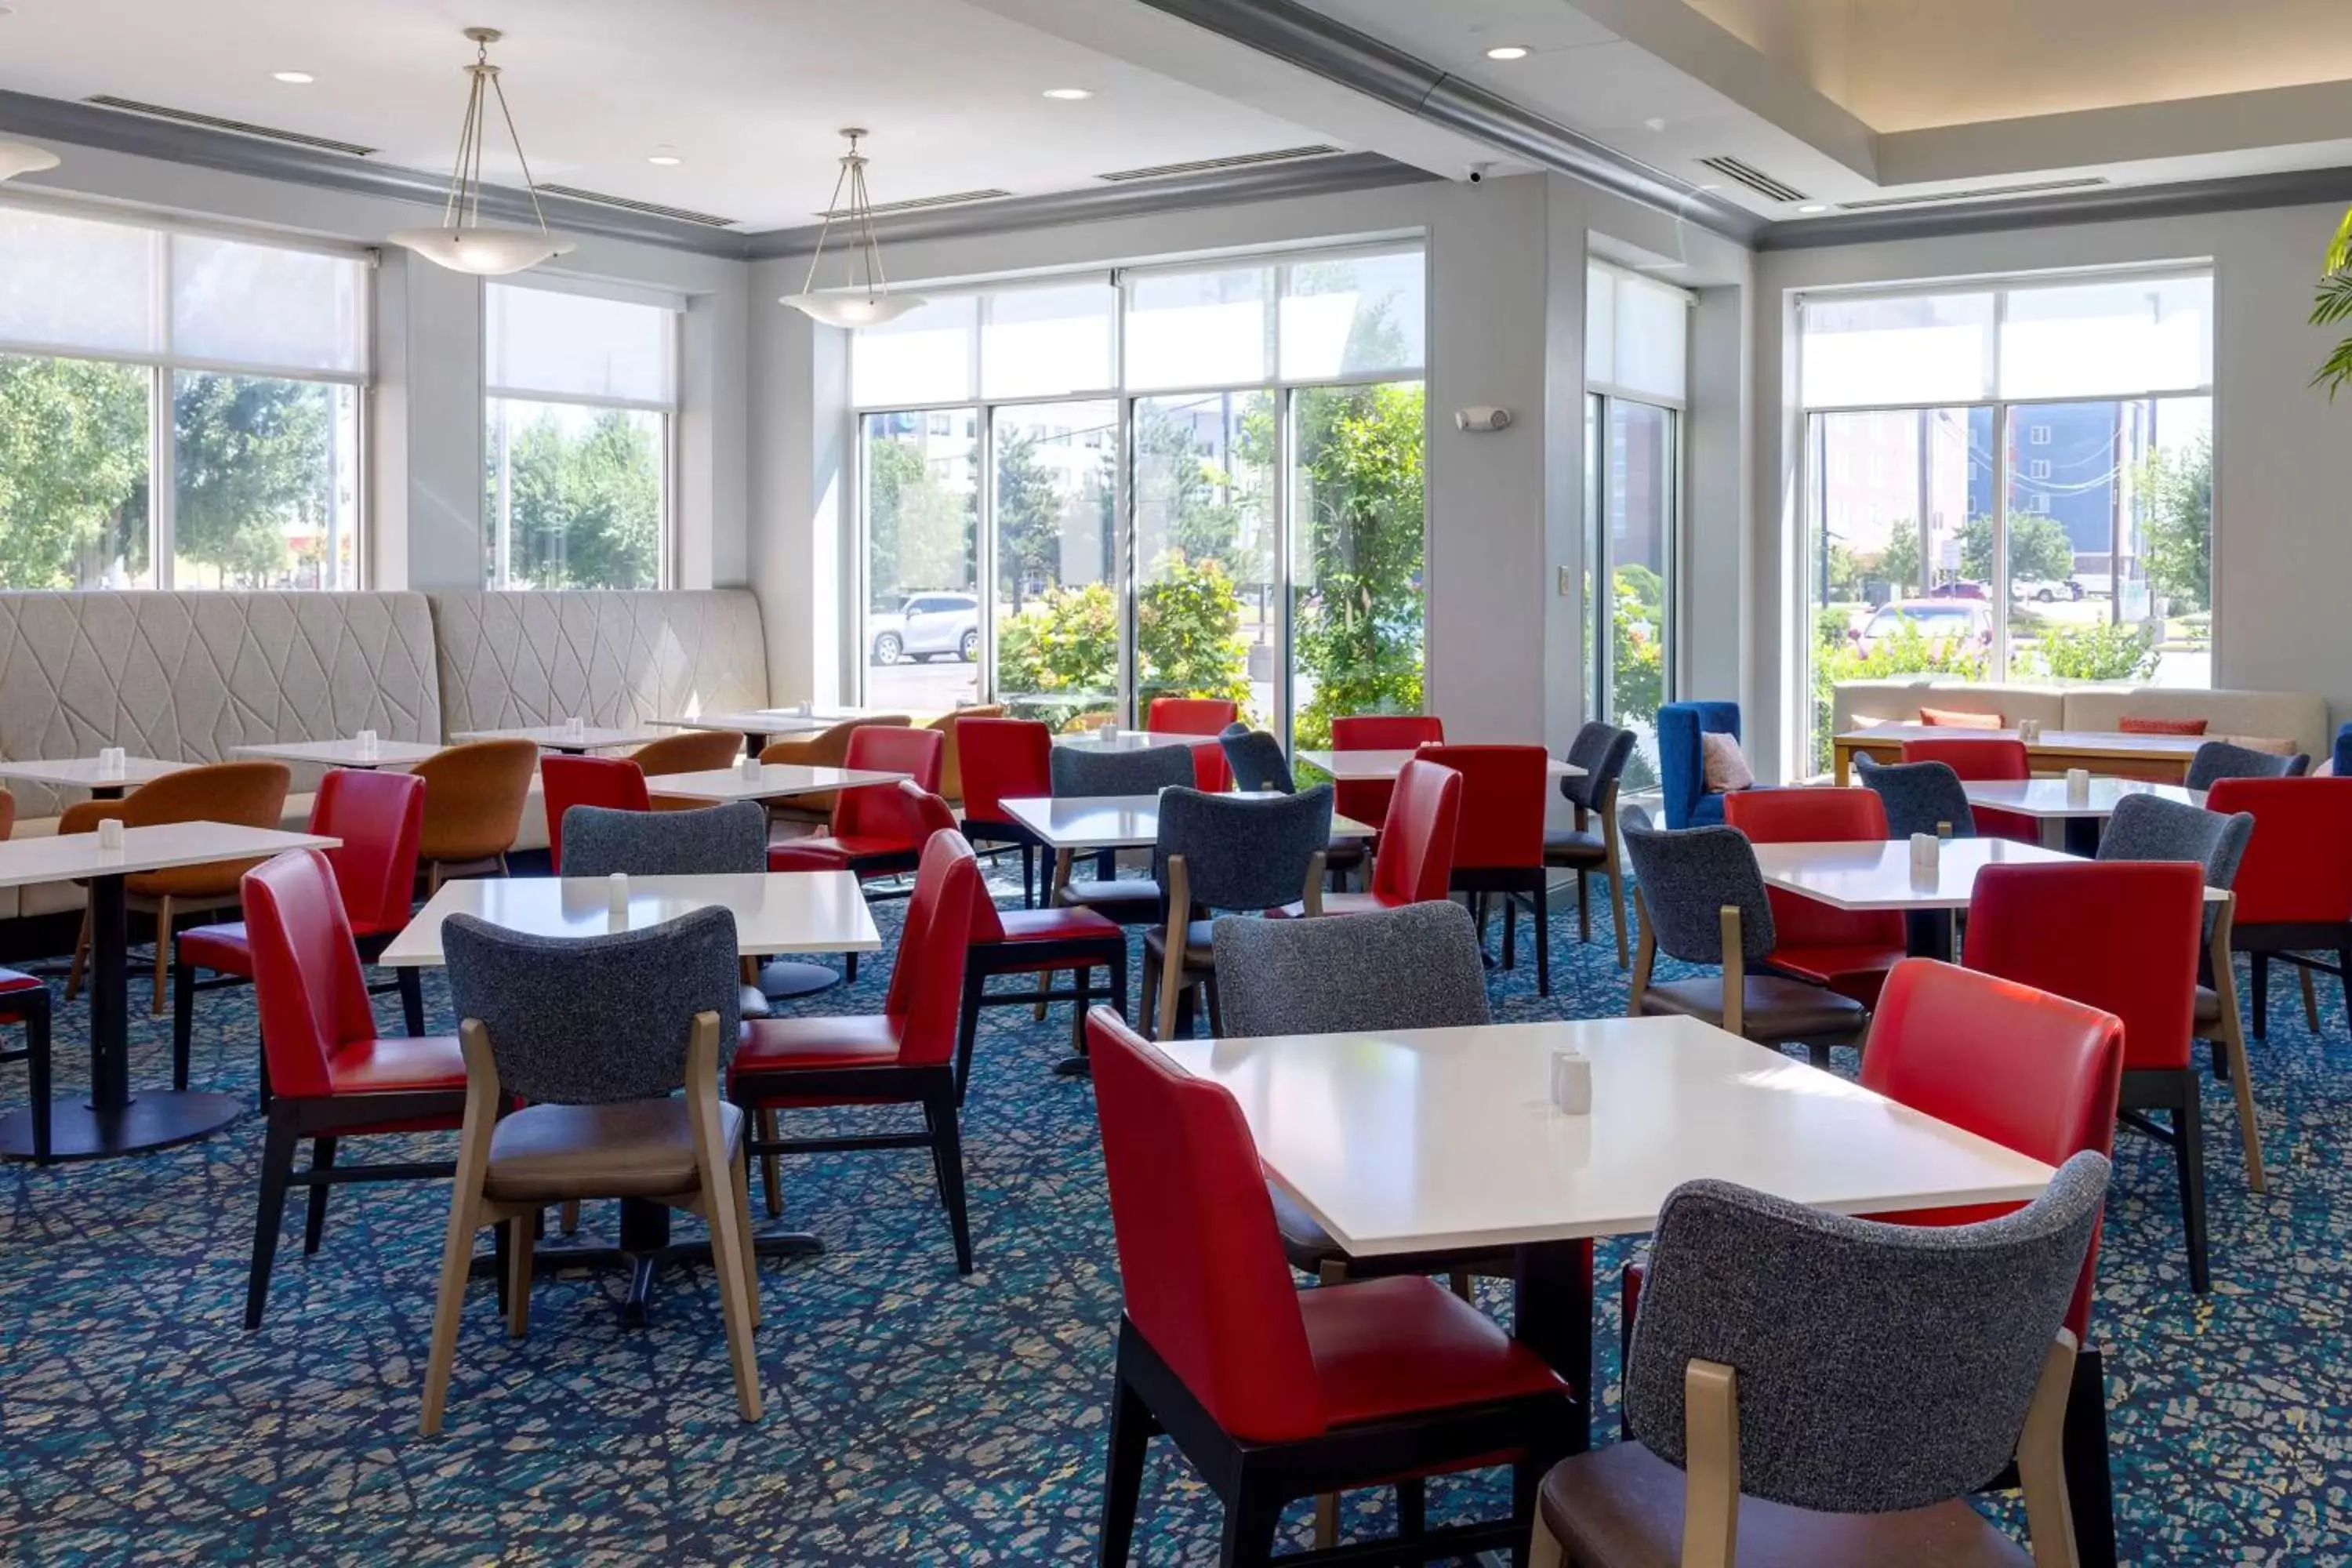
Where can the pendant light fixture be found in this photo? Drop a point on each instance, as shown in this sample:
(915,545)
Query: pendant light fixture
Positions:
(865,302)
(24,158)
(463,243)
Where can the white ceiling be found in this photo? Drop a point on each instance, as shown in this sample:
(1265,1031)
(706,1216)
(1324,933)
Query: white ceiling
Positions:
(749,93)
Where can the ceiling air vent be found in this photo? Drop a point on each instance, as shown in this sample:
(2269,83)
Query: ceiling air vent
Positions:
(236,127)
(920,204)
(1754,178)
(629,203)
(1986,192)
(1214,166)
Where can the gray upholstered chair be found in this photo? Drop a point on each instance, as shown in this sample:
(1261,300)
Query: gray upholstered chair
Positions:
(1829,1391)
(1701,901)
(1919,798)
(597,1033)
(713,841)
(1080,771)
(1603,750)
(1225,852)
(2219,760)
(1255,759)
(2150,827)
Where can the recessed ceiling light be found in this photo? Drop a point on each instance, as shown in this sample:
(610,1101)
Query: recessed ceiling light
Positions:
(1814,207)
(1069,94)
(666,155)
(293,78)
(1654,123)
(1508,52)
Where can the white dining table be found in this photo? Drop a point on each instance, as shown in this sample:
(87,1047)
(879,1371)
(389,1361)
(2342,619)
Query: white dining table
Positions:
(2080,821)
(112,1120)
(1120,821)
(84,773)
(344,752)
(775,911)
(1130,739)
(1371,766)
(564,739)
(770,781)
(1435,1140)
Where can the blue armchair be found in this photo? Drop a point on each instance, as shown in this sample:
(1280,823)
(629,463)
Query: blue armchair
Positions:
(1681,763)
(2343,754)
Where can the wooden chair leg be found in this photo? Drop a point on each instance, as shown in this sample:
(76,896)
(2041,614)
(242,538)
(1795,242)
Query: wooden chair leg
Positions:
(520,1242)
(1544,1551)
(742,1164)
(1617,897)
(571,1220)
(772,1185)
(728,1246)
(2232,1034)
(163,955)
(449,1304)
(1327,1521)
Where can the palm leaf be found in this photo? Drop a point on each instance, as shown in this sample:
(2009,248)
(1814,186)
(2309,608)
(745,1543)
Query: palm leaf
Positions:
(2333,302)
(2337,372)
(2339,249)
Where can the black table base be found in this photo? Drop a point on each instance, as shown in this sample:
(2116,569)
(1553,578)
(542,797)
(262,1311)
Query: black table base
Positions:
(1927,933)
(787,977)
(1551,1314)
(156,1121)
(645,1249)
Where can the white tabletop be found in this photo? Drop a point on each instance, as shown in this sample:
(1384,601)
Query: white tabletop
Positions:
(342,753)
(1872,874)
(1411,1140)
(66,857)
(1353,766)
(775,911)
(774,781)
(559,737)
(757,722)
(2077,740)
(1120,821)
(81,773)
(1130,739)
(2047,797)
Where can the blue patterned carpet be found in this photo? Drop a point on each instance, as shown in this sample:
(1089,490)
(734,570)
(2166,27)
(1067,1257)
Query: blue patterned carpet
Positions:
(914,1416)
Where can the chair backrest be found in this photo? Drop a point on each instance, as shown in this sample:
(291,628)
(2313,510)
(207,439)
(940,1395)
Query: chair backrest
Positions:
(1002,759)
(712,841)
(1982,757)
(615,783)
(2033,1072)
(878,811)
(1880,1366)
(2150,827)
(927,982)
(7,814)
(1825,816)
(596,1020)
(2297,868)
(689,752)
(1196,716)
(380,817)
(1080,771)
(1415,863)
(828,748)
(2219,760)
(1199,1261)
(1502,802)
(1418,967)
(2122,936)
(307,985)
(1919,797)
(1255,759)
(1682,761)
(1241,852)
(1366,800)
(2339,756)
(474,798)
(951,750)
(896,749)
(1603,750)
(1687,878)
(251,794)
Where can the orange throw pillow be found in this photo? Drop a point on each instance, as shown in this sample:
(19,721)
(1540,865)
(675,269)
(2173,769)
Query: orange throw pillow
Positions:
(1951,719)
(2130,725)
(2275,745)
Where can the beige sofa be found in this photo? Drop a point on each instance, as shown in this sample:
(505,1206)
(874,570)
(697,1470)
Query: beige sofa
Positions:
(2297,716)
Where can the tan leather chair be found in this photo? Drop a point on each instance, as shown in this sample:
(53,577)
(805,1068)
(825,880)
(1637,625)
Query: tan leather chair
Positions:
(250,795)
(687,751)
(825,749)
(951,762)
(474,796)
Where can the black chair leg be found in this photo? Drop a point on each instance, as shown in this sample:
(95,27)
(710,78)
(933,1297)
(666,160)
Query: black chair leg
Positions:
(1510,931)
(849,967)
(1028,876)
(967,1029)
(184,1021)
(2090,1488)
(946,1147)
(276,1171)
(1252,1514)
(1413,1509)
(1118,986)
(1082,981)
(1542,919)
(2260,987)
(1130,1436)
(314,1225)
(2344,977)
(411,1001)
(36,1069)
(1583,907)
(2188,1149)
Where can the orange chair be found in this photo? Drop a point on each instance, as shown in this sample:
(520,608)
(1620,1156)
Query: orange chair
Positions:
(250,795)
(1366,800)
(1850,952)
(616,783)
(1197,716)
(952,754)
(474,796)
(689,752)
(825,749)
(1985,759)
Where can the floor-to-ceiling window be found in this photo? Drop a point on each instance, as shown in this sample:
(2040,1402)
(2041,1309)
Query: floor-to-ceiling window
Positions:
(177,410)
(1178,481)
(1635,355)
(2007,481)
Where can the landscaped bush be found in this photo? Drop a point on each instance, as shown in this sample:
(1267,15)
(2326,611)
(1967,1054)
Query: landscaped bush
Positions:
(2105,650)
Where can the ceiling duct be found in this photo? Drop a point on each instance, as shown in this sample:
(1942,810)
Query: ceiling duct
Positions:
(923,204)
(1753,178)
(630,204)
(1218,165)
(1983,194)
(237,127)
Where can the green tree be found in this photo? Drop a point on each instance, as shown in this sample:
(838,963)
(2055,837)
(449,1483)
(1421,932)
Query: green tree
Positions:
(584,508)
(1637,658)
(1064,642)
(1357,635)
(250,458)
(2039,549)
(1028,517)
(1188,620)
(1899,562)
(2179,533)
(73,472)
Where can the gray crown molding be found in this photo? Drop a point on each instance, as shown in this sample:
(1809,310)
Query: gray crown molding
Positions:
(1338,53)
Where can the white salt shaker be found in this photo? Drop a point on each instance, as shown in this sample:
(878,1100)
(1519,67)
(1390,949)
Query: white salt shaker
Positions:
(2029,731)
(1571,1082)
(806,707)
(1106,732)
(616,899)
(750,764)
(112,763)
(367,745)
(1926,853)
(110,833)
(575,728)
(2078,787)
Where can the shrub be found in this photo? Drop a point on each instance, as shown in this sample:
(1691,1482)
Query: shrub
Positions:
(1903,651)
(2106,650)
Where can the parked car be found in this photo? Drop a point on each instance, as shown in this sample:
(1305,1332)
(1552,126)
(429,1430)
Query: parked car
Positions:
(2044,590)
(1959,588)
(929,625)
(1944,623)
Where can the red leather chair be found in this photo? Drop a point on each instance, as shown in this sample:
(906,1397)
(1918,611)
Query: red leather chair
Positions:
(2123,936)
(380,817)
(903,1056)
(1366,800)
(1849,952)
(617,784)
(878,830)
(2295,886)
(333,1077)
(920,754)
(1499,847)
(1988,759)
(1271,1392)
(1197,716)
(1043,944)
(1006,759)
(1415,865)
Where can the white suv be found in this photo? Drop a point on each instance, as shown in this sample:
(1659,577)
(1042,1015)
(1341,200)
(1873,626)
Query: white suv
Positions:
(928,625)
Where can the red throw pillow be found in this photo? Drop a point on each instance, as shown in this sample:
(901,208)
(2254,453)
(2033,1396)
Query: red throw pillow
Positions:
(1952,719)
(2130,725)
